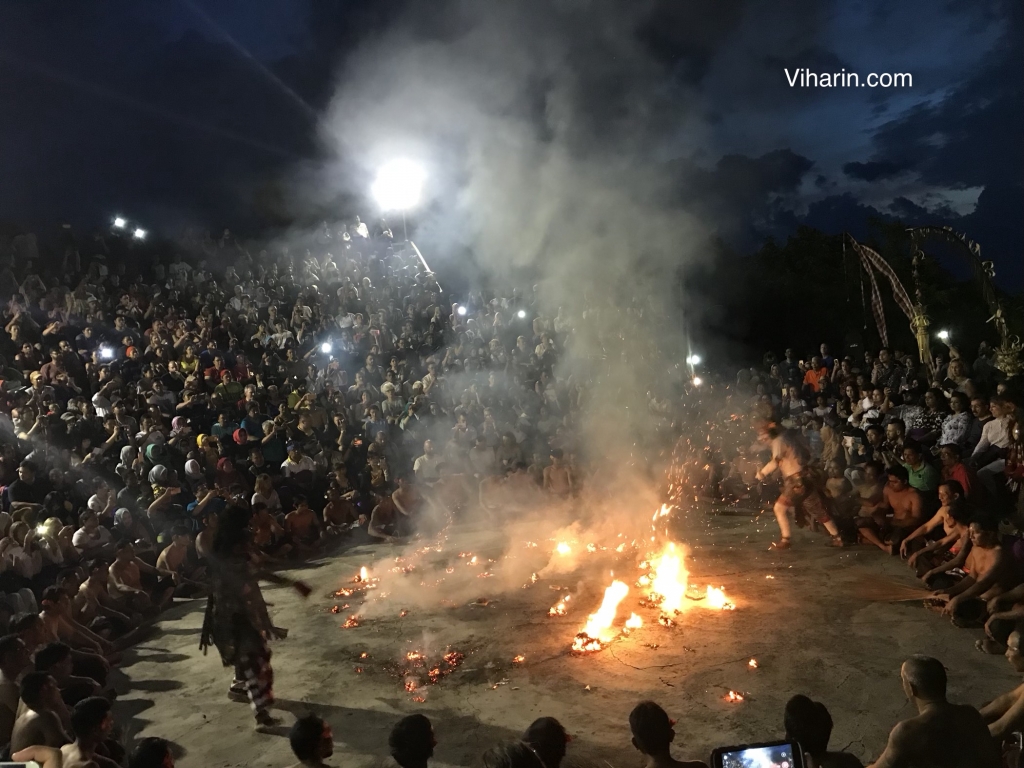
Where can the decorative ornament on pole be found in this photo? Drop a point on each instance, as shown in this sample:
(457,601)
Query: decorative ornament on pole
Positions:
(1010,349)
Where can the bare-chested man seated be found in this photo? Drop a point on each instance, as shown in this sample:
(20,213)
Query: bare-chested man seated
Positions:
(942,735)
(45,719)
(940,533)
(558,478)
(653,735)
(1005,714)
(900,513)
(990,570)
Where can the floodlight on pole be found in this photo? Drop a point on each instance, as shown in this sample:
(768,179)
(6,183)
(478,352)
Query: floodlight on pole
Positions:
(120,222)
(461,310)
(139,234)
(399,187)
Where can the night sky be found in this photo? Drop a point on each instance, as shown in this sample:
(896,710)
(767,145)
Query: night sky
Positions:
(204,111)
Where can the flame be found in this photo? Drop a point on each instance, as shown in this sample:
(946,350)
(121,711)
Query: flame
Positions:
(351,621)
(634,622)
(734,698)
(670,578)
(472,560)
(752,663)
(563,548)
(364,655)
(364,575)
(414,656)
(599,624)
(518,659)
(718,600)
(591,548)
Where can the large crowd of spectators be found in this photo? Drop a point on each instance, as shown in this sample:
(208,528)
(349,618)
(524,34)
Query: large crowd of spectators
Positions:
(336,392)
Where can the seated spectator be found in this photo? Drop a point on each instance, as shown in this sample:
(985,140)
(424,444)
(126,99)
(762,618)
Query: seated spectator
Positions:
(899,514)
(92,540)
(14,660)
(941,733)
(92,723)
(137,584)
(45,719)
(152,752)
(56,660)
(303,526)
(515,754)
(94,607)
(311,741)
(809,724)
(954,517)
(653,735)
(989,571)
(954,469)
(411,742)
(548,739)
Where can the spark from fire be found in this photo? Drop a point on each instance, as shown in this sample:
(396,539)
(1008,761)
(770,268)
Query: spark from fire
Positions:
(599,624)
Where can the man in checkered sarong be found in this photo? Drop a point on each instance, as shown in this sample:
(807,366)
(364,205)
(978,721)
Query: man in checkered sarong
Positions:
(236,619)
(802,495)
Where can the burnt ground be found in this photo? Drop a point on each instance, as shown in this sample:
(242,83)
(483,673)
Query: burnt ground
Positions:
(808,630)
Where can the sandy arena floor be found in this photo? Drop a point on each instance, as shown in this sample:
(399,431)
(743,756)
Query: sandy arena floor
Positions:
(796,615)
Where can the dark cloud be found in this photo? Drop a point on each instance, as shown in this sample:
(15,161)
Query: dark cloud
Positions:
(871,171)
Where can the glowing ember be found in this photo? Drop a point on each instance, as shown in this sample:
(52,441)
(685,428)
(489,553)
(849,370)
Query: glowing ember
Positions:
(563,548)
(418,699)
(559,608)
(359,670)
(634,622)
(454,658)
(598,629)
(411,684)
(718,600)
(752,663)
(472,560)
(734,698)
(413,656)
(533,578)
(769,577)
(343,593)
(591,548)
(403,613)
(666,621)
(449,570)
(669,580)
(620,548)
(518,659)
(351,621)
(335,609)
(364,655)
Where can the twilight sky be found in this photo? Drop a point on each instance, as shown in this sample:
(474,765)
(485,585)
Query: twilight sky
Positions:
(207,111)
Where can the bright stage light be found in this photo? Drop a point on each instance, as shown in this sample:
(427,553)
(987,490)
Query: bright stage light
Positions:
(697,381)
(106,353)
(462,311)
(944,335)
(521,314)
(119,222)
(693,360)
(399,185)
(326,348)
(139,234)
